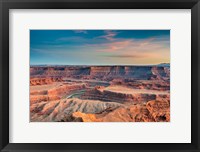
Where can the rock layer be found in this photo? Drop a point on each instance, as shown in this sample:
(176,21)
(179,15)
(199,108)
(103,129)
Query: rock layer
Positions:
(43,81)
(153,111)
(62,110)
(104,72)
(97,111)
(110,96)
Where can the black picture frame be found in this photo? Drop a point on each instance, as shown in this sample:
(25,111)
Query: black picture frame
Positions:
(5,5)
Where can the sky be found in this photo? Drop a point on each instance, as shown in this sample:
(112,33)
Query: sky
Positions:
(99,47)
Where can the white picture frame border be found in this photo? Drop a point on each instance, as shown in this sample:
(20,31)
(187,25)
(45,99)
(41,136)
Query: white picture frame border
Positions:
(178,130)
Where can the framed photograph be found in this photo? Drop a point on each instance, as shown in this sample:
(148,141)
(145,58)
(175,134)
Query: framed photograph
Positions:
(99,75)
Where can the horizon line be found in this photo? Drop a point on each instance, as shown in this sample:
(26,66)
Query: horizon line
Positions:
(95,64)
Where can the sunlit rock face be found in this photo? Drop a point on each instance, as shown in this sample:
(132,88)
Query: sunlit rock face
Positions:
(100,93)
(153,111)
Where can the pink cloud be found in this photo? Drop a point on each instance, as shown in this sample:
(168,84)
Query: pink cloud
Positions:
(109,35)
(120,44)
(131,46)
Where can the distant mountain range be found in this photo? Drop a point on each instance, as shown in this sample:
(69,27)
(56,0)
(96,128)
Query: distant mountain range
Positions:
(48,65)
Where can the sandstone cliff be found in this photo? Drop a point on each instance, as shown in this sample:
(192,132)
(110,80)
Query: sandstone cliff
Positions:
(104,72)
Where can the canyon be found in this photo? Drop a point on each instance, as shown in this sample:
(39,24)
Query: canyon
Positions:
(100,93)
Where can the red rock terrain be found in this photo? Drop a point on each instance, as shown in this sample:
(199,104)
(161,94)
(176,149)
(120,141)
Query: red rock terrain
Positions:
(153,111)
(100,93)
(42,80)
(104,72)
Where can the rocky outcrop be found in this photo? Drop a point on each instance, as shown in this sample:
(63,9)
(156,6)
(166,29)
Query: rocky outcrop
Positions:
(65,89)
(41,98)
(43,81)
(153,111)
(159,110)
(54,93)
(160,85)
(62,110)
(110,96)
(50,108)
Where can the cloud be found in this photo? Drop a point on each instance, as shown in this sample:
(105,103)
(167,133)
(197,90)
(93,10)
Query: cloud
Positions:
(126,56)
(133,45)
(114,46)
(109,35)
(80,31)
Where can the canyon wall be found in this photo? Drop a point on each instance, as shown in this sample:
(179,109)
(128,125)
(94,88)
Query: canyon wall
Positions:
(110,96)
(104,72)
(43,80)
